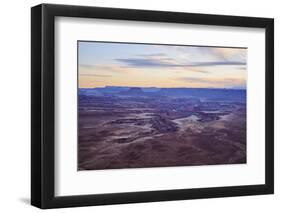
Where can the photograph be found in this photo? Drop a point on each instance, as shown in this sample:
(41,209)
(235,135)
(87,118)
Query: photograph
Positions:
(143,105)
(139,105)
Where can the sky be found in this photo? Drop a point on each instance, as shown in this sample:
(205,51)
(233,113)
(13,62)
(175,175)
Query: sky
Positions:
(103,64)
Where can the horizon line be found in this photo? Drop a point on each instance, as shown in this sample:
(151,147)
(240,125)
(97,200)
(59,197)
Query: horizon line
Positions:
(146,87)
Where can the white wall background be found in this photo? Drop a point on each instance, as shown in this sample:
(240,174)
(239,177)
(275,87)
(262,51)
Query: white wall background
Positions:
(15,105)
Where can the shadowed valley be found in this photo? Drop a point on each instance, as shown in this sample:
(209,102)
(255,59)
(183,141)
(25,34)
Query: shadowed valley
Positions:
(131,127)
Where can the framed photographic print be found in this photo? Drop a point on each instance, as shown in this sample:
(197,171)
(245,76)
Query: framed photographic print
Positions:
(139,106)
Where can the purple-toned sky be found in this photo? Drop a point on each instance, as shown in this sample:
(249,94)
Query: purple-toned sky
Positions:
(144,65)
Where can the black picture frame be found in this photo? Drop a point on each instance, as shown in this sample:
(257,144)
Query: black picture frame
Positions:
(43,102)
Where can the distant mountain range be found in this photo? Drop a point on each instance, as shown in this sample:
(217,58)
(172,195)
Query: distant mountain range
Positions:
(202,93)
